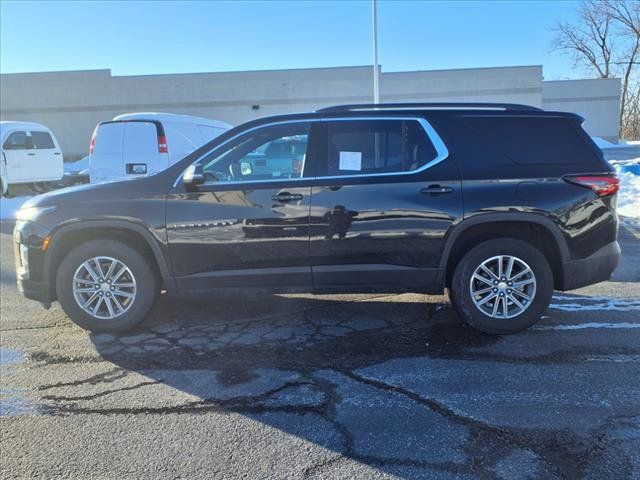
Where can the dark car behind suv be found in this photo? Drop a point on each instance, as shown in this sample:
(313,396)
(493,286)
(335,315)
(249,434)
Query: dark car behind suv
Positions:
(500,203)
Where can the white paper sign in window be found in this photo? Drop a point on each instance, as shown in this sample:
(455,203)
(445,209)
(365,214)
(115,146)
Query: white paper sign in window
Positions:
(351,161)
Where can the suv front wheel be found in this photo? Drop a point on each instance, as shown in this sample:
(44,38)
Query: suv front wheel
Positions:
(106,286)
(502,286)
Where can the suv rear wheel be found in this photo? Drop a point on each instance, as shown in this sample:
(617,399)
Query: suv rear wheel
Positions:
(106,286)
(502,286)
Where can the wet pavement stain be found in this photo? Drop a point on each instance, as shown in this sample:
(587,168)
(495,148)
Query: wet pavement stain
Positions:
(12,400)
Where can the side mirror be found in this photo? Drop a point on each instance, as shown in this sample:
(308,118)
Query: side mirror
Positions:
(193,176)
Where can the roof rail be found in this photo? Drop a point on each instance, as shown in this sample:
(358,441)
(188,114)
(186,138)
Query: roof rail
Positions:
(428,106)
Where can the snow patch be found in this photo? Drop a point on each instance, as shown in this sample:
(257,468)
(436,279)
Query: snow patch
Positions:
(574,303)
(627,171)
(629,195)
(585,326)
(602,143)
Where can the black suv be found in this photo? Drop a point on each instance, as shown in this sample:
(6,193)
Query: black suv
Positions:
(500,203)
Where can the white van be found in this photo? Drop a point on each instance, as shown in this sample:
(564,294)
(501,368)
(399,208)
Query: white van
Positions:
(30,154)
(137,144)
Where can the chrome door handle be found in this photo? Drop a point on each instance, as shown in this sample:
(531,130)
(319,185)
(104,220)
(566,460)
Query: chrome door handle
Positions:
(286,197)
(436,190)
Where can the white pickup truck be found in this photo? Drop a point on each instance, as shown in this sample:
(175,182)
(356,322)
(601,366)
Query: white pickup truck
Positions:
(30,155)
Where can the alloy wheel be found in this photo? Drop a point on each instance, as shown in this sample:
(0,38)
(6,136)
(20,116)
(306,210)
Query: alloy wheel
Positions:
(503,286)
(104,287)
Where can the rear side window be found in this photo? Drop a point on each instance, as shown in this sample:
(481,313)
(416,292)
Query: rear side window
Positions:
(16,141)
(42,140)
(377,146)
(535,140)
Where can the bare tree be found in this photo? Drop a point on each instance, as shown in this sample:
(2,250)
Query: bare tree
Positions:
(628,17)
(606,41)
(631,120)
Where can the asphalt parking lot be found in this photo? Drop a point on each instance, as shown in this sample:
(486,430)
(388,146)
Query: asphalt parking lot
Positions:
(365,386)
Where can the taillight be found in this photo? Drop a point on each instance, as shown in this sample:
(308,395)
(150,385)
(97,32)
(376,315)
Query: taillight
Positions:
(603,185)
(93,142)
(162,144)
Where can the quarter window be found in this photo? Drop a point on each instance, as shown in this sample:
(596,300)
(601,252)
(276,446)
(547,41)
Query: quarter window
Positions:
(17,141)
(276,152)
(377,146)
(535,140)
(42,140)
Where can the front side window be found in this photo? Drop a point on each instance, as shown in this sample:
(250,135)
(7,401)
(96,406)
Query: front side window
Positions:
(376,147)
(17,141)
(42,140)
(275,152)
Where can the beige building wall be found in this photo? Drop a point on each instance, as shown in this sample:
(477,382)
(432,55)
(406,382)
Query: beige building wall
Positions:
(598,101)
(72,103)
(501,84)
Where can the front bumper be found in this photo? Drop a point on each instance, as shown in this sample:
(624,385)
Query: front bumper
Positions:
(32,282)
(595,268)
(38,291)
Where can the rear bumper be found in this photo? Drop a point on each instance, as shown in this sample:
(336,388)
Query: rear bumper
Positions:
(595,268)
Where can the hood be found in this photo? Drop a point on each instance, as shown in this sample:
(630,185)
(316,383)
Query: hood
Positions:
(101,191)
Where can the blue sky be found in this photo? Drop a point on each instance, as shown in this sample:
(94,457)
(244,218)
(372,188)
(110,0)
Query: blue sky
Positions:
(133,38)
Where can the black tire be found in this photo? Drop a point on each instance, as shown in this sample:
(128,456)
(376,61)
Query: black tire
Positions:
(460,286)
(146,286)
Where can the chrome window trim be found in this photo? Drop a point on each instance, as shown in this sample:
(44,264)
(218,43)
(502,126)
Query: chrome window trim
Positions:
(442,152)
(413,109)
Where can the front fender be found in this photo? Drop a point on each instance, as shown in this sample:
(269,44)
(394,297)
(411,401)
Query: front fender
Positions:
(152,240)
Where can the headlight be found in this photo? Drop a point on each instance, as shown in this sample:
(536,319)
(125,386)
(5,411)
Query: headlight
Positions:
(30,214)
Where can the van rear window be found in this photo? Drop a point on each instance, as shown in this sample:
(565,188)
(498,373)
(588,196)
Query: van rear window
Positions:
(535,140)
(109,139)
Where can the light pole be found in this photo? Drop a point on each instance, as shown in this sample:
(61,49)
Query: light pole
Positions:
(376,80)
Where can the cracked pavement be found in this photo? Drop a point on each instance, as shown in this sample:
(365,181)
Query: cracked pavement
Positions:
(325,386)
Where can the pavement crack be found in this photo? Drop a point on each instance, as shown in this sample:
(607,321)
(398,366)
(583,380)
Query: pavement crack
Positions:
(109,376)
(103,393)
(49,359)
(241,404)
(512,438)
(191,408)
(39,327)
(316,467)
